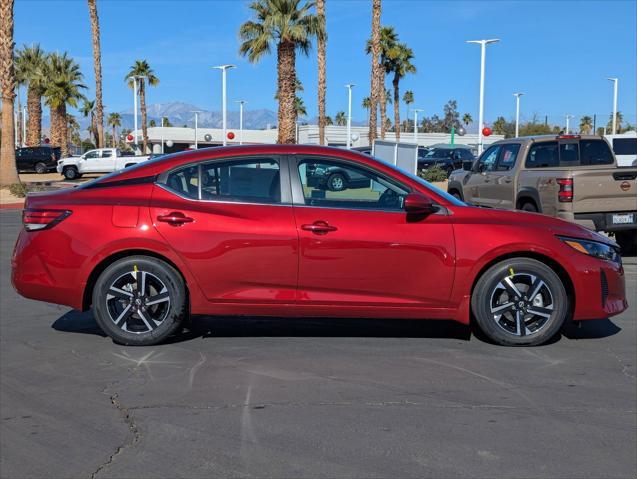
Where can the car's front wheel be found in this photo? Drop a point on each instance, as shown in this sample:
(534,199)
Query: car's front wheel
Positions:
(520,301)
(336,182)
(139,300)
(40,168)
(71,173)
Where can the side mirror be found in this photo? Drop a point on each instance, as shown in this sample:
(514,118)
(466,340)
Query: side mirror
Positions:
(467,165)
(418,204)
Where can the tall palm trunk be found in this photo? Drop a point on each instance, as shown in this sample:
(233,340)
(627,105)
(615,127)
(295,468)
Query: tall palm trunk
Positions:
(8,173)
(114,137)
(94,131)
(54,133)
(286,58)
(395,82)
(34,125)
(97,65)
(375,77)
(382,98)
(142,102)
(320,10)
(59,129)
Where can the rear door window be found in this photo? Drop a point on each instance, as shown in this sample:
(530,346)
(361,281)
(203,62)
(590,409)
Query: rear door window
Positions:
(595,152)
(543,155)
(508,156)
(249,180)
(107,153)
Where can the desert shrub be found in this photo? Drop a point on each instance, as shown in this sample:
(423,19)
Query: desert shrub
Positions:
(433,174)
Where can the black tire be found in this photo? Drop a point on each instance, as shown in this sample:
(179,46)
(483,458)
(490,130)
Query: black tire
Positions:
(124,315)
(455,194)
(492,292)
(40,168)
(336,182)
(71,173)
(129,164)
(528,206)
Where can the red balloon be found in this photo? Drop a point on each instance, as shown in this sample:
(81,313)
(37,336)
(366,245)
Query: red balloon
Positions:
(230,135)
(47,141)
(486,131)
(129,137)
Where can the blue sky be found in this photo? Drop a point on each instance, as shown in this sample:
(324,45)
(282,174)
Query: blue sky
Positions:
(556,52)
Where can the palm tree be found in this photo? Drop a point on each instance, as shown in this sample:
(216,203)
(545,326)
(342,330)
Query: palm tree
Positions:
(299,106)
(88,110)
(322,39)
(408,98)
(466,119)
(400,65)
(620,119)
(340,118)
(388,50)
(145,73)
(30,66)
(586,124)
(367,104)
(8,173)
(289,26)
(166,122)
(114,121)
(63,88)
(97,65)
(376,69)
(328,120)
(74,130)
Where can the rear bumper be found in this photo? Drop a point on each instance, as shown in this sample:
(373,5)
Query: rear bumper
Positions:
(599,221)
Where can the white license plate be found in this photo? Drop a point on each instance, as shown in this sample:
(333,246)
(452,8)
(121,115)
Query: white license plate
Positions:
(623,219)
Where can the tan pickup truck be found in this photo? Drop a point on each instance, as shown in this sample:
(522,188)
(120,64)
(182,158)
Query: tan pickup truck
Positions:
(571,177)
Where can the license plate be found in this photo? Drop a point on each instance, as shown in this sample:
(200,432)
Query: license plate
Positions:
(623,219)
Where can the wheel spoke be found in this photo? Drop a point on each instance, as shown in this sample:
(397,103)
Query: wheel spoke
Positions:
(535,288)
(149,322)
(502,308)
(520,327)
(124,315)
(141,285)
(158,298)
(510,287)
(118,293)
(544,312)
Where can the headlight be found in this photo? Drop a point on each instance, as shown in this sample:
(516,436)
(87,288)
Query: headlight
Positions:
(593,248)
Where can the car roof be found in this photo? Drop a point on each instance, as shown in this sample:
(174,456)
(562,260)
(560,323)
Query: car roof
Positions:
(551,137)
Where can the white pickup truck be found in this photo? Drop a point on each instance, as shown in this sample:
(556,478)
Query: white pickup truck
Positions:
(102,160)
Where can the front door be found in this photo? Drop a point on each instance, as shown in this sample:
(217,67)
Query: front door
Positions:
(233,226)
(499,191)
(478,181)
(358,247)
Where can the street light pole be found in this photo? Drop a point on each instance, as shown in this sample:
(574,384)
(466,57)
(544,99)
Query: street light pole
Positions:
(416,110)
(224,69)
(349,87)
(196,112)
(241,103)
(517,113)
(615,81)
(483,47)
(568,120)
(162,135)
(24,126)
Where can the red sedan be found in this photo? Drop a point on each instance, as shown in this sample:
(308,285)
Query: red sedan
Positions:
(304,231)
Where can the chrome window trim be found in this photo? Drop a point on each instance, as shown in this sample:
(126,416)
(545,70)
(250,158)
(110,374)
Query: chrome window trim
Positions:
(195,200)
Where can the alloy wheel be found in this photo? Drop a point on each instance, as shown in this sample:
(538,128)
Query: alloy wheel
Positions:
(138,302)
(521,304)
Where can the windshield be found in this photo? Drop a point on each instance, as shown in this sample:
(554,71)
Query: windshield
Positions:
(450,198)
(439,153)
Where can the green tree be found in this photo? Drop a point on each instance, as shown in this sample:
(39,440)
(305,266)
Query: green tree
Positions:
(340,118)
(30,66)
(288,26)
(328,120)
(408,99)
(620,120)
(400,65)
(114,121)
(142,69)
(585,125)
(466,119)
(387,50)
(299,107)
(63,88)
(451,115)
(88,111)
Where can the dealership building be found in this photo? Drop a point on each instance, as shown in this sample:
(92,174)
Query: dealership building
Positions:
(172,139)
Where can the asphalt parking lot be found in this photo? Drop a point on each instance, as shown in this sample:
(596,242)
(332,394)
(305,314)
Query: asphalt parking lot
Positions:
(311,398)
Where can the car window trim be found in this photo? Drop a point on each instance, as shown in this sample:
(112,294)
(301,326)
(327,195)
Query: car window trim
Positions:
(298,198)
(499,159)
(284,180)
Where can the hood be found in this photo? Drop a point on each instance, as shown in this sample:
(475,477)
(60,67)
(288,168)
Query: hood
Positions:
(554,225)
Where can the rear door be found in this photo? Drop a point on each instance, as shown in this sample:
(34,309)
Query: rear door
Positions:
(358,247)
(107,161)
(232,223)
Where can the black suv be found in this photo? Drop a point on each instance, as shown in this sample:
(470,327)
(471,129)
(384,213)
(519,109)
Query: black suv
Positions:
(37,158)
(448,158)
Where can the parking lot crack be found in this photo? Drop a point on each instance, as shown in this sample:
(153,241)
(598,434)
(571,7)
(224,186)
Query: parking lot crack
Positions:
(133,438)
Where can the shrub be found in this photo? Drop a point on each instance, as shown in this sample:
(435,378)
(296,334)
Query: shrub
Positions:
(433,174)
(18,189)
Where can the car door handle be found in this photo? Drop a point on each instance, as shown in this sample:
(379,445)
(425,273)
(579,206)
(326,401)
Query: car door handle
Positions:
(175,218)
(319,227)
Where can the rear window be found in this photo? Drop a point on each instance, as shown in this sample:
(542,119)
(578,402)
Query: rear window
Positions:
(595,152)
(625,146)
(543,155)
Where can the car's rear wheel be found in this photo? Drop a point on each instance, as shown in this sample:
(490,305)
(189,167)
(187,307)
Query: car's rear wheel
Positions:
(520,301)
(139,301)
(336,182)
(40,168)
(71,173)
(528,206)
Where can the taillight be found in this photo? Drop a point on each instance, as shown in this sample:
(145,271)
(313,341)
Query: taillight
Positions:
(34,220)
(565,194)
